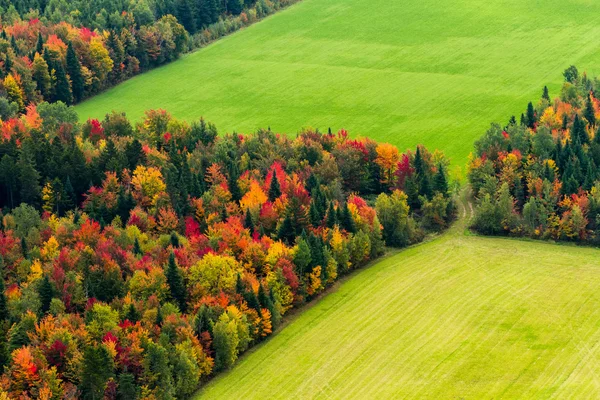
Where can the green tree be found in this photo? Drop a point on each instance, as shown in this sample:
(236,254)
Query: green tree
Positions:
(225,342)
(274,189)
(63,86)
(74,71)
(176,283)
(97,369)
(46,292)
(589,113)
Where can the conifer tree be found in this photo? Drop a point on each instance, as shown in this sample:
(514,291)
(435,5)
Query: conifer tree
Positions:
(589,112)
(176,283)
(74,71)
(545,94)
(46,292)
(530,118)
(274,189)
(347,222)
(440,184)
(63,86)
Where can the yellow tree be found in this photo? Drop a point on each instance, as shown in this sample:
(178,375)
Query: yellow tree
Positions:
(387,159)
(147,184)
(14,92)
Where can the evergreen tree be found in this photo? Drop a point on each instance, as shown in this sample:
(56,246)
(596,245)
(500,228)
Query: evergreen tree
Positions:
(127,388)
(29,180)
(97,369)
(530,118)
(589,112)
(286,231)
(313,214)
(137,249)
(176,283)
(248,224)
(331,216)
(63,86)
(274,189)
(132,314)
(347,221)
(545,94)
(74,71)
(185,15)
(39,46)
(46,292)
(440,184)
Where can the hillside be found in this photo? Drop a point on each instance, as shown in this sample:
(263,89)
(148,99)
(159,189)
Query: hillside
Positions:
(459,317)
(405,72)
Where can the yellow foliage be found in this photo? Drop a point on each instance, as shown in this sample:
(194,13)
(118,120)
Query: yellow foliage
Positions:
(50,249)
(35,272)
(254,198)
(314,281)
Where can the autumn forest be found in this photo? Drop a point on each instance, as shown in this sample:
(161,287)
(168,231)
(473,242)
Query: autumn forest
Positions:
(142,258)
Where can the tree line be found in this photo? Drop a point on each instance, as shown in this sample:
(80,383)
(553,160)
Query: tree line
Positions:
(539,177)
(68,51)
(139,259)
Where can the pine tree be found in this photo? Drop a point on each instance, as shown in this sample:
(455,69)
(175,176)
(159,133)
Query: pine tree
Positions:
(137,249)
(185,16)
(440,184)
(174,240)
(46,292)
(97,369)
(70,198)
(63,86)
(545,94)
(530,116)
(29,179)
(176,283)
(274,189)
(248,224)
(127,388)
(132,314)
(347,222)
(590,113)
(315,218)
(74,71)
(39,46)
(286,231)
(331,216)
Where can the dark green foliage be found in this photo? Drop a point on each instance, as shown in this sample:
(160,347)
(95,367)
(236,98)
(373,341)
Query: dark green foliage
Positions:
(97,369)
(74,71)
(589,112)
(571,74)
(274,188)
(346,221)
(46,292)
(530,118)
(440,183)
(63,86)
(127,388)
(545,94)
(176,283)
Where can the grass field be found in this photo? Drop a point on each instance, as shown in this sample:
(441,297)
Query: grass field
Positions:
(461,317)
(406,72)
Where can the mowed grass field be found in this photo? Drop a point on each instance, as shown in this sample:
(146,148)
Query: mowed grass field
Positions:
(461,317)
(406,71)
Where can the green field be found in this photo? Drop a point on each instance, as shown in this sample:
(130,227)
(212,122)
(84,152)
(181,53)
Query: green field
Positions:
(461,317)
(406,72)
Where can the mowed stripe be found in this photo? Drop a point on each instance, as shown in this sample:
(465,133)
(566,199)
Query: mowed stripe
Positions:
(459,317)
(406,72)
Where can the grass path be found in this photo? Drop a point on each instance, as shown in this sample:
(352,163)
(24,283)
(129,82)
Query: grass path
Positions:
(406,71)
(461,316)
